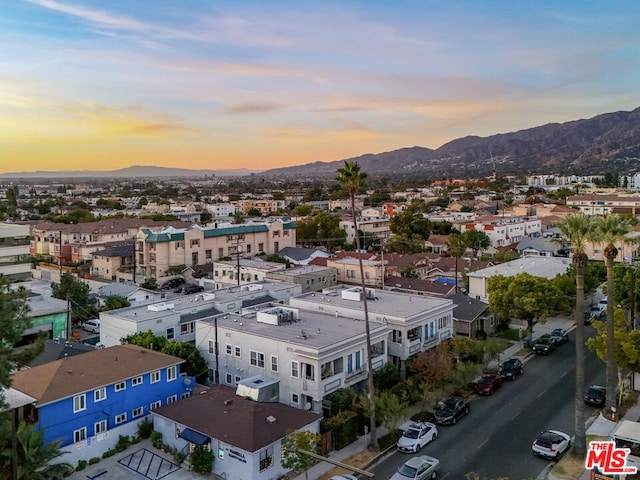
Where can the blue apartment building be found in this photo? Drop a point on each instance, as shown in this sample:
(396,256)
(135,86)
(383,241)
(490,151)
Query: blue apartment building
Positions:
(86,399)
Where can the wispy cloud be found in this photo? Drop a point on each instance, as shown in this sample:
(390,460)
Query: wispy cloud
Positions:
(253,108)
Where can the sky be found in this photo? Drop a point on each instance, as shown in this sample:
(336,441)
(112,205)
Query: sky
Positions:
(204,84)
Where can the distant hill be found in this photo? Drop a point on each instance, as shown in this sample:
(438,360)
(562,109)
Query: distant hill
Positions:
(602,144)
(136,171)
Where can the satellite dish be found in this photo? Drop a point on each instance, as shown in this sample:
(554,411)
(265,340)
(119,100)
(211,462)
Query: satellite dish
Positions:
(187,381)
(307,406)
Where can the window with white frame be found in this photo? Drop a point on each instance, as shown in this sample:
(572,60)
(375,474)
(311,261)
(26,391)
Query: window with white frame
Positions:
(295,399)
(257,359)
(236,379)
(99,394)
(121,418)
(80,435)
(155,405)
(171,333)
(79,403)
(238,352)
(295,369)
(274,363)
(155,376)
(228,379)
(136,412)
(120,386)
(228,349)
(135,381)
(171,373)
(172,399)
(266,458)
(100,427)
(212,347)
(187,328)
(184,395)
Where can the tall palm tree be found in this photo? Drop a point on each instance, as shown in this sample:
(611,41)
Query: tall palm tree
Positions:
(456,247)
(610,230)
(35,456)
(577,229)
(351,178)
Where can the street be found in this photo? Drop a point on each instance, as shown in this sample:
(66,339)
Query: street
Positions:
(494,440)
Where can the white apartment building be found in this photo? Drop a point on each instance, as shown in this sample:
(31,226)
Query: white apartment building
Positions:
(416,322)
(157,250)
(312,278)
(593,204)
(374,226)
(310,353)
(174,317)
(226,272)
(505,230)
(221,210)
(15,261)
(543,181)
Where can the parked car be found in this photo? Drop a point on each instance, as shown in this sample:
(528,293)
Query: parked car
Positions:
(595,396)
(559,335)
(92,326)
(586,316)
(190,288)
(450,410)
(487,383)
(544,345)
(551,444)
(510,369)
(172,283)
(417,436)
(598,311)
(418,468)
(344,476)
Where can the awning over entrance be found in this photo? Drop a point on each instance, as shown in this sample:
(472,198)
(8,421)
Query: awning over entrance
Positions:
(194,437)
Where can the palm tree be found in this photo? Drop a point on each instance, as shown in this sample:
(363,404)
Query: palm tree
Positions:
(610,230)
(351,178)
(35,456)
(456,247)
(578,229)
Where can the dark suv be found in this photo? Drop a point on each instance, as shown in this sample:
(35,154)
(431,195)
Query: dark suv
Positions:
(172,283)
(450,410)
(544,345)
(187,289)
(510,369)
(595,396)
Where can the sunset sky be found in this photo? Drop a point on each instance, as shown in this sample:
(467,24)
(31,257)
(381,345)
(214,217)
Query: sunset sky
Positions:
(206,84)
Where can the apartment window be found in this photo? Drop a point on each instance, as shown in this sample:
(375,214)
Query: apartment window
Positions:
(295,399)
(136,412)
(295,369)
(211,375)
(79,403)
(121,418)
(249,248)
(135,381)
(185,395)
(212,347)
(228,379)
(221,252)
(172,399)
(99,394)
(100,427)
(171,333)
(207,254)
(266,458)
(80,434)
(228,348)
(155,405)
(237,378)
(238,352)
(194,243)
(187,328)
(351,274)
(261,247)
(257,359)
(274,363)
(171,373)
(155,376)
(120,386)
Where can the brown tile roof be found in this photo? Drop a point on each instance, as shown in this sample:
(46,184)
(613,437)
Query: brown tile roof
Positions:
(109,225)
(240,422)
(81,373)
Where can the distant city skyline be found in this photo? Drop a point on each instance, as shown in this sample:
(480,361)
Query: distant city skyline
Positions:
(90,85)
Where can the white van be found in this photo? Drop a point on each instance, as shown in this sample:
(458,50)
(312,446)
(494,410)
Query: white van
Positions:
(92,326)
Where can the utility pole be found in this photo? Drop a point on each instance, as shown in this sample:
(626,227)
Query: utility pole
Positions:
(238,253)
(134,259)
(60,252)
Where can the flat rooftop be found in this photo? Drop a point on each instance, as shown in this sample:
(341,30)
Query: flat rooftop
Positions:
(546,267)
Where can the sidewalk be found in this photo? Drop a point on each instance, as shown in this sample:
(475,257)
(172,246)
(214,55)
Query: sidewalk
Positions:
(360,445)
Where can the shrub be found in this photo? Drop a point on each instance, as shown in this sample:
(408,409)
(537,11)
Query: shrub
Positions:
(145,427)
(201,460)
(341,400)
(344,427)
(94,460)
(82,464)
(156,439)
(423,416)
(389,439)
(109,453)
(386,377)
(124,441)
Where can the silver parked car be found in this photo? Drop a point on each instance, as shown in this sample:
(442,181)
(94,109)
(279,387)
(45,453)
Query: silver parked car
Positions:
(418,468)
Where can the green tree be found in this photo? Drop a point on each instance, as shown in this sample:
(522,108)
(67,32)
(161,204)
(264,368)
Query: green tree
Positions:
(609,231)
(76,292)
(412,223)
(194,365)
(254,212)
(456,248)
(205,217)
(274,257)
(35,456)
(201,459)
(525,297)
(81,215)
(113,302)
(150,283)
(409,272)
(577,229)
(146,339)
(301,210)
(476,240)
(299,440)
(352,179)
(505,256)
(390,408)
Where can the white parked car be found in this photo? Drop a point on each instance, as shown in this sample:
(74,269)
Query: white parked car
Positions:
(92,326)
(417,436)
(418,468)
(551,444)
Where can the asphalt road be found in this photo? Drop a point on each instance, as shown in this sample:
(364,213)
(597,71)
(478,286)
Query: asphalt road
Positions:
(494,440)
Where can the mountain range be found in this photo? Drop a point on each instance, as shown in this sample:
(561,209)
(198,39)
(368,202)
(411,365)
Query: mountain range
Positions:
(603,144)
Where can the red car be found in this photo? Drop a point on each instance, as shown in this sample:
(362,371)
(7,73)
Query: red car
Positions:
(487,384)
